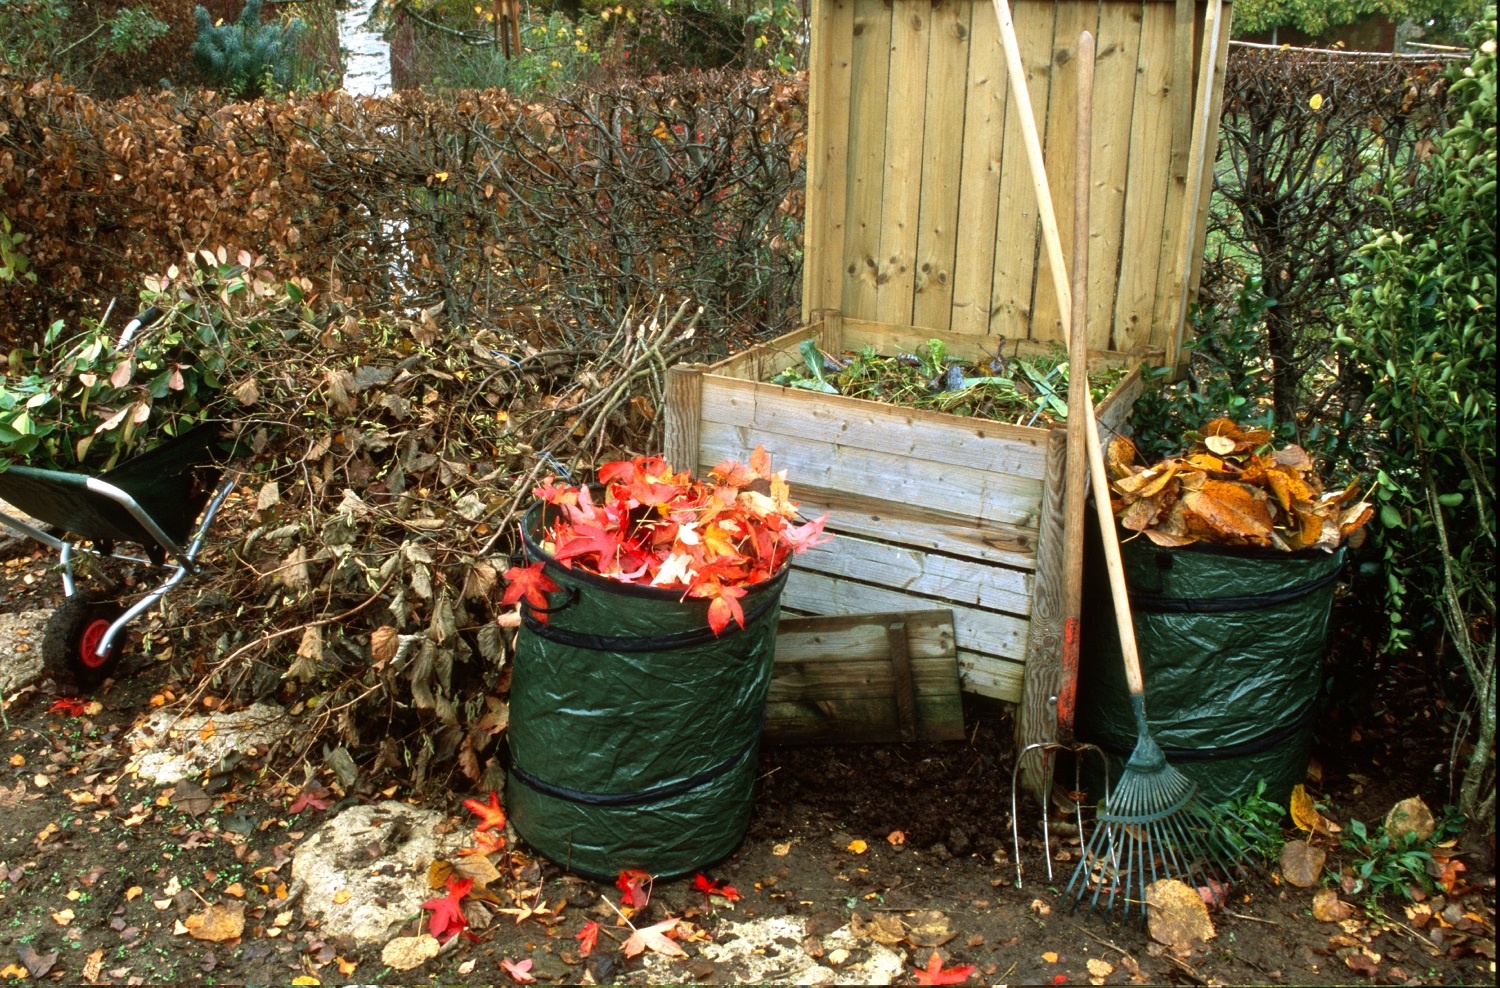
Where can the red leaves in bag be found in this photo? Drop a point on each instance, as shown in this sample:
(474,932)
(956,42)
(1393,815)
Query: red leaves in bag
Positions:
(709,539)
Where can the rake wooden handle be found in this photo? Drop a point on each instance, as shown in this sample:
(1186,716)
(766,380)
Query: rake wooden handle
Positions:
(1053,242)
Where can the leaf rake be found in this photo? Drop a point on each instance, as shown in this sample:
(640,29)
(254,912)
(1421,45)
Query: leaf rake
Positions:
(1152,825)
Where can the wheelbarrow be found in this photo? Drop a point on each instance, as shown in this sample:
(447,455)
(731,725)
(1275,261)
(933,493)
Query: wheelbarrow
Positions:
(163,500)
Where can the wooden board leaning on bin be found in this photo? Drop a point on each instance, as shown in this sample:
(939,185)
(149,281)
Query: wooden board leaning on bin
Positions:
(865,678)
(930,510)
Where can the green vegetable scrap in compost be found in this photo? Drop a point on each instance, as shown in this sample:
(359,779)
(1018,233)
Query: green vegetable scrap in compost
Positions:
(1030,392)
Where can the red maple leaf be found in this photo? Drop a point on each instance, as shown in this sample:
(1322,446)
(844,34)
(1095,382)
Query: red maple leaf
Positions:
(734,474)
(447,919)
(529,583)
(484,845)
(803,537)
(491,815)
(314,796)
(1058,979)
(553,494)
(586,937)
(71,706)
(635,886)
(589,538)
(725,604)
(715,886)
(936,974)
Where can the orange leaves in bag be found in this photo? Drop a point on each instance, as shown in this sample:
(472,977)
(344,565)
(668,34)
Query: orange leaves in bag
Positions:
(1231,488)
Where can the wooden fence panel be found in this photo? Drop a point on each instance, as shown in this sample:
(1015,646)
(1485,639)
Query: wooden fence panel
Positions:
(921,210)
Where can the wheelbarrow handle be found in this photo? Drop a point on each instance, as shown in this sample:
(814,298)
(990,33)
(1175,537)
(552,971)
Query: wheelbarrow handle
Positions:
(139,322)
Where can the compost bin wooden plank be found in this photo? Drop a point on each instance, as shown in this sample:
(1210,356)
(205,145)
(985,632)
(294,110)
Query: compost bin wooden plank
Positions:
(1145,189)
(928,573)
(942,165)
(833,680)
(1115,75)
(987,632)
(992,676)
(1017,239)
(1061,152)
(763,362)
(828,156)
(1004,498)
(979,185)
(903,179)
(867,126)
(951,533)
(914,432)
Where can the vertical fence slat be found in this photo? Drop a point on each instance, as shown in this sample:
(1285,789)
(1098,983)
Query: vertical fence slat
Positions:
(869,77)
(1114,81)
(979,187)
(1062,151)
(911,35)
(1017,232)
(1211,153)
(1169,275)
(1146,187)
(827,157)
(942,164)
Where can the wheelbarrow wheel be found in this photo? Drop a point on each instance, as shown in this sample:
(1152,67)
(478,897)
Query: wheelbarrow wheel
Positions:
(73,633)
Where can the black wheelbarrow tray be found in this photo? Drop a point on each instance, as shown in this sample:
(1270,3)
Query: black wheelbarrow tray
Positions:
(154,499)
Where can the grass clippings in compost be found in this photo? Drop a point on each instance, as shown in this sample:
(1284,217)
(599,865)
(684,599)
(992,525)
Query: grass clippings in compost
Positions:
(1029,391)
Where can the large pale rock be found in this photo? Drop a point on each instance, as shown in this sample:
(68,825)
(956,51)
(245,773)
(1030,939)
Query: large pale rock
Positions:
(375,858)
(770,952)
(168,748)
(21,649)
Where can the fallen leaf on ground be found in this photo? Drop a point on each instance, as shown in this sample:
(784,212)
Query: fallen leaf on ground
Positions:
(858,846)
(1100,969)
(654,938)
(63,917)
(491,815)
(447,919)
(715,886)
(314,796)
(882,928)
(1410,816)
(305,979)
(586,937)
(930,929)
(190,798)
(93,966)
(936,974)
(342,896)
(134,892)
(219,922)
(478,868)
(1302,863)
(1328,907)
(520,970)
(1305,813)
(1176,914)
(1362,960)
(14,972)
(895,838)
(635,887)
(405,953)
(484,845)
(37,964)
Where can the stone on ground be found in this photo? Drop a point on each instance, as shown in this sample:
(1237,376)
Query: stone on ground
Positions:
(365,870)
(168,748)
(770,952)
(21,649)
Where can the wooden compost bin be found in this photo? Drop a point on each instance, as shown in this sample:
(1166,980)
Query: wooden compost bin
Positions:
(921,223)
(931,510)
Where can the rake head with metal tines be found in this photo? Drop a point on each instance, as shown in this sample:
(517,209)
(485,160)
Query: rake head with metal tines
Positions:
(1153,827)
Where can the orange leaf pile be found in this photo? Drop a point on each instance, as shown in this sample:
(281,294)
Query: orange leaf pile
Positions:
(659,528)
(1232,488)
